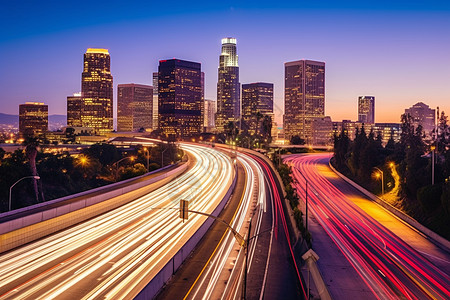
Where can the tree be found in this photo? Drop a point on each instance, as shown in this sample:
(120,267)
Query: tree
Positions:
(106,154)
(266,129)
(413,167)
(31,143)
(341,149)
(231,130)
(443,134)
(296,140)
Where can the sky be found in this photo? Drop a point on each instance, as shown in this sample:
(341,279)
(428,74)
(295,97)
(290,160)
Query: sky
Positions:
(397,51)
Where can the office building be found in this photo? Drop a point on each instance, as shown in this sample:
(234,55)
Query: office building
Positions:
(366,109)
(257,102)
(74,110)
(180,98)
(228,86)
(388,130)
(134,107)
(97,91)
(422,115)
(209,114)
(155,101)
(33,119)
(322,129)
(304,97)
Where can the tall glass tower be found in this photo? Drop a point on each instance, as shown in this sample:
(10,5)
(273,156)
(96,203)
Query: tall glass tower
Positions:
(228,86)
(97,91)
(304,97)
(180,102)
(366,109)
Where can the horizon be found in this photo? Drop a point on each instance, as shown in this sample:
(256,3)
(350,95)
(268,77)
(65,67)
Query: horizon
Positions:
(374,49)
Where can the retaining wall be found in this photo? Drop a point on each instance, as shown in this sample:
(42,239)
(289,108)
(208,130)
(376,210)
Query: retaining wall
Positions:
(23,230)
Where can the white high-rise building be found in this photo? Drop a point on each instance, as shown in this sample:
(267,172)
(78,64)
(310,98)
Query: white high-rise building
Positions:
(228,86)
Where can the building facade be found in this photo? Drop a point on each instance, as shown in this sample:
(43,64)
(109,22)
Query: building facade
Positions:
(228,86)
(134,107)
(180,102)
(304,97)
(422,115)
(209,114)
(257,102)
(366,109)
(74,110)
(388,130)
(33,119)
(97,91)
(155,101)
(322,131)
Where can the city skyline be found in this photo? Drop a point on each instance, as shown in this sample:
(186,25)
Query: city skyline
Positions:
(395,42)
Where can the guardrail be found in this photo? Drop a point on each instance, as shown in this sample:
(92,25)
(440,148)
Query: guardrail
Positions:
(23,230)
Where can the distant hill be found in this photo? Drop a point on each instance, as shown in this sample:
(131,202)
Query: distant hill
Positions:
(9,119)
(55,122)
(60,119)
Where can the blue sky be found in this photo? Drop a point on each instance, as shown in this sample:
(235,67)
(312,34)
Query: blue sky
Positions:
(397,51)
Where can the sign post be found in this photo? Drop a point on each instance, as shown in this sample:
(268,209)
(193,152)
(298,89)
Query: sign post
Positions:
(184,205)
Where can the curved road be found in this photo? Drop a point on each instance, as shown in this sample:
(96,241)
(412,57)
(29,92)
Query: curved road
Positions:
(389,266)
(114,255)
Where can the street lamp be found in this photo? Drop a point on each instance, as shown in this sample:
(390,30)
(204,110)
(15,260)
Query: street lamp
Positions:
(382,179)
(117,164)
(433,148)
(147,156)
(10,189)
(306,196)
(162,157)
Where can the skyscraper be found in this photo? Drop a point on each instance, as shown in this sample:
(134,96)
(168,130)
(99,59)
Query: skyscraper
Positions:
(180,97)
(74,110)
(33,119)
(134,107)
(210,112)
(155,101)
(366,109)
(304,97)
(228,86)
(422,115)
(97,91)
(257,101)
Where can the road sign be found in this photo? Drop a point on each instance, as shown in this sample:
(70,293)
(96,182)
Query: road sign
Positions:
(184,204)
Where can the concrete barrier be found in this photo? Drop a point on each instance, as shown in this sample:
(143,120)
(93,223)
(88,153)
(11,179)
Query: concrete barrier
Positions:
(20,231)
(292,224)
(157,282)
(439,240)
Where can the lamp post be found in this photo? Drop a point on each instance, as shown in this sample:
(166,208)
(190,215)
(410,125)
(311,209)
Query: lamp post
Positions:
(117,164)
(433,148)
(10,189)
(162,157)
(382,180)
(306,196)
(147,156)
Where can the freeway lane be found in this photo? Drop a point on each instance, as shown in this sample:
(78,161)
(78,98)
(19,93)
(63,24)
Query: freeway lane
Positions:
(390,268)
(114,255)
(216,268)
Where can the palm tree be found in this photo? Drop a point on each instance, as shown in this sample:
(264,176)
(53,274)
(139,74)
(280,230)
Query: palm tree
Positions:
(31,143)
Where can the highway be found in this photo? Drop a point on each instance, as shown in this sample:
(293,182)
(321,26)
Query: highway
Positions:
(271,270)
(223,277)
(216,269)
(113,256)
(389,266)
